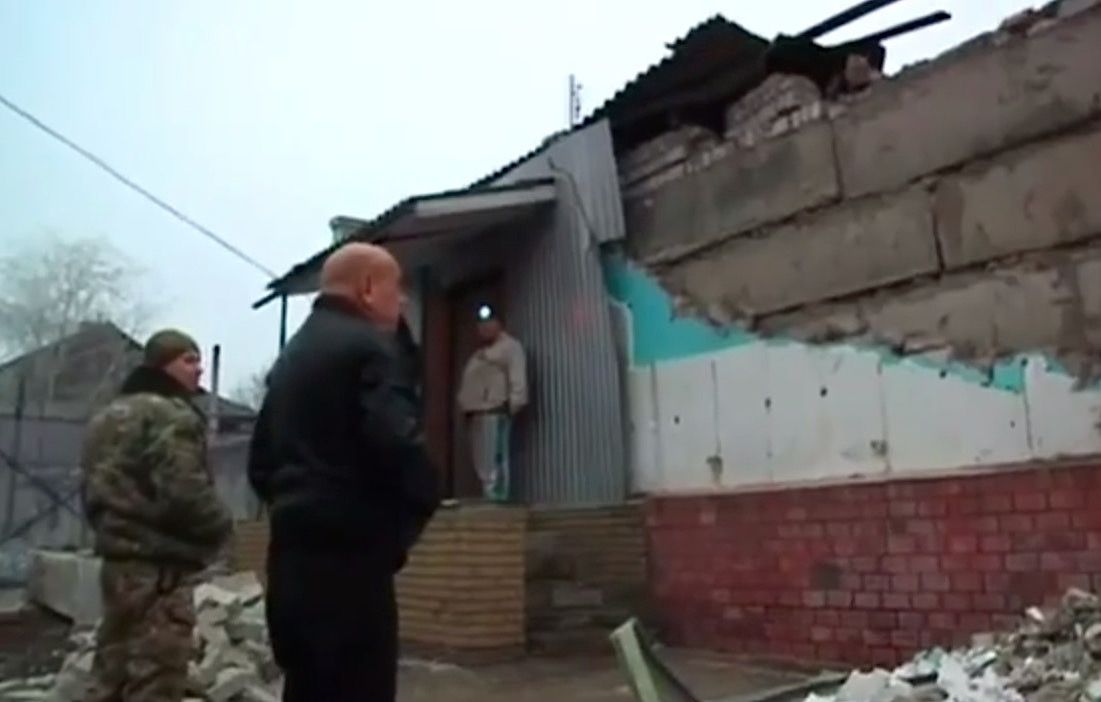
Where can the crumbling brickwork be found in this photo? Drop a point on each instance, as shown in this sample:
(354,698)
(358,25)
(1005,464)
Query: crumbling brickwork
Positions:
(870,573)
(894,217)
(780,104)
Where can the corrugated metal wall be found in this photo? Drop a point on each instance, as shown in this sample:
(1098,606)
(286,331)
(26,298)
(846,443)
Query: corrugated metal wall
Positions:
(570,447)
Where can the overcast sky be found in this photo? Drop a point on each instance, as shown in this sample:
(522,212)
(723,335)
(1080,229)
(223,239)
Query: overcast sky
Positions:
(264,118)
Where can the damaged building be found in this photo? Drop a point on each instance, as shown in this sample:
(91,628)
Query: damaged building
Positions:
(839,332)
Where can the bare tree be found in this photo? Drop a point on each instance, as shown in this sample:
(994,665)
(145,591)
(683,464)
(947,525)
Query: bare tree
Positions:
(48,290)
(53,285)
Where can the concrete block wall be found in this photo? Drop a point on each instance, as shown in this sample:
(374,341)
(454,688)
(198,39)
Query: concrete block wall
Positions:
(996,191)
(872,572)
(586,575)
(903,281)
(863,345)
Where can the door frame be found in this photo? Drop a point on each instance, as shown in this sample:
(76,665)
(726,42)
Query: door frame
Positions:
(443,370)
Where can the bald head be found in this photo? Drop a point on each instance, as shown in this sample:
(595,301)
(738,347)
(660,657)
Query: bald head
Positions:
(367,276)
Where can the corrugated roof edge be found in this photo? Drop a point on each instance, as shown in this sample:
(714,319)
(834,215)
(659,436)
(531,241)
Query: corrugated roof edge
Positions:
(599,113)
(365,229)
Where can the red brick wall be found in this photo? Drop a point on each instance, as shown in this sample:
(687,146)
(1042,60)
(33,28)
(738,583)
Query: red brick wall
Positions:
(871,572)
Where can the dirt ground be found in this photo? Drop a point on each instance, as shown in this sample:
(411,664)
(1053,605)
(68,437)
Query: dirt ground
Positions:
(33,642)
(576,679)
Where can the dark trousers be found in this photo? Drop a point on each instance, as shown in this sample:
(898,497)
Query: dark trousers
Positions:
(333,622)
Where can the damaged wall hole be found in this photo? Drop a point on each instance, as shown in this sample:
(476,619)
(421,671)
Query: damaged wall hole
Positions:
(659,335)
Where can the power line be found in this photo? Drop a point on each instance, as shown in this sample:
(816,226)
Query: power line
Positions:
(104,166)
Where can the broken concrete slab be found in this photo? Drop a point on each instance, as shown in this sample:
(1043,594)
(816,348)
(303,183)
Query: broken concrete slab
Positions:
(912,125)
(983,317)
(227,669)
(208,594)
(74,676)
(12,600)
(255,693)
(66,583)
(1041,196)
(249,626)
(843,250)
(741,190)
(230,683)
(874,686)
(203,674)
(1046,304)
(1044,659)
(245,586)
(211,616)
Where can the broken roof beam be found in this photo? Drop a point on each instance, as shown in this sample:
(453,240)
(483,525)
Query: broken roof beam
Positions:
(844,17)
(902,28)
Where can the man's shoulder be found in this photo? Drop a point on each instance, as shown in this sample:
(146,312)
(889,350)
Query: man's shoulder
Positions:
(143,407)
(120,428)
(511,342)
(330,328)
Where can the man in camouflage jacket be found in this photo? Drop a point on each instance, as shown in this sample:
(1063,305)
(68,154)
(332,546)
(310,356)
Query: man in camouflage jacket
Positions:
(150,499)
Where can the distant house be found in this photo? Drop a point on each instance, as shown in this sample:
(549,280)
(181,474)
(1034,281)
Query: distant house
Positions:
(70,378)
(46,396)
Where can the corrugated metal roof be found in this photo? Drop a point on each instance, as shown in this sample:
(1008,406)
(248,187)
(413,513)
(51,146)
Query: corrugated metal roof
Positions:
(713,46)
(373,230)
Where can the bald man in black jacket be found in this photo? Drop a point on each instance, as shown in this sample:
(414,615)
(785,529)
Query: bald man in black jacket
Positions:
(338,456)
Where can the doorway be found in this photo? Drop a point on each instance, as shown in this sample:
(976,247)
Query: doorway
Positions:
(451,337)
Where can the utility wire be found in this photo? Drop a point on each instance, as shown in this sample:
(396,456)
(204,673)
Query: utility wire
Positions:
(104,166)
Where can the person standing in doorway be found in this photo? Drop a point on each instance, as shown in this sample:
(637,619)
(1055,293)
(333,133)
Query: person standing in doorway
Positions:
(492,392)
(150,498)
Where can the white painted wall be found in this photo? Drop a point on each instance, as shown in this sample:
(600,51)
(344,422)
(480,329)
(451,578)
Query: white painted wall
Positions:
(785,412)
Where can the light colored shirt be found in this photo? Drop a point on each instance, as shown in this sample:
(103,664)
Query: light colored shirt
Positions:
(495,378)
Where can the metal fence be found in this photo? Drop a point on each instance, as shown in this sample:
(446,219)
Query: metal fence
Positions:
(40,487)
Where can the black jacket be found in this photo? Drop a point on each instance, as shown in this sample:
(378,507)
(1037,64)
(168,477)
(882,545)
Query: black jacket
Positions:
(338,451)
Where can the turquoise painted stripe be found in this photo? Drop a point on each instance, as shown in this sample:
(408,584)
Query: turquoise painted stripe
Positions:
(658,334)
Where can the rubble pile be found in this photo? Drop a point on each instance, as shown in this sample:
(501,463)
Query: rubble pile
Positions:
(1053,656)
(233,663)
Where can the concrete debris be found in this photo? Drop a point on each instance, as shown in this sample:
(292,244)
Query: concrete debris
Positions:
(233,659)
(434,667)
(66,583)
(1053,656)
